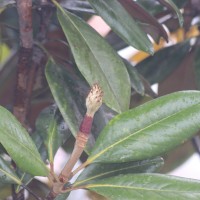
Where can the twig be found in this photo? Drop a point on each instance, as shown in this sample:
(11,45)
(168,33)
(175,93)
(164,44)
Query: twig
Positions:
(31,58)
(93,102)
(24,9)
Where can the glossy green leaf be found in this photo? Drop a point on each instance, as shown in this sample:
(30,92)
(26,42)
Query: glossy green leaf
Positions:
(7,174)
(65,99)
(122,23)
(147,186)
(97,61)
(98,171)
(197,67)
(61,94)
(156,68)
(149,130)
(79,89)
(147,22)
(171,5)
(39,142)
(19,145)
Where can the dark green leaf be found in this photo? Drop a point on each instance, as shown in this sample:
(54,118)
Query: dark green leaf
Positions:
(197,66)
(98,171)
(152,6)
(150,129)
(53,129)
(155,29)
(136,82)
(156,68)
(7,174)
(122,23)
(170,4)
(19,145)
(115,41)
(147,186)
(62,95)
(180,3)
(39,142)
(54,141)
(65,99)
(97,61)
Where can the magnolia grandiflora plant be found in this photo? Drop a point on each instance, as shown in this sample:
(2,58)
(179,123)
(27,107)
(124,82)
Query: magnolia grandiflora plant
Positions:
(125,155)
(121,158)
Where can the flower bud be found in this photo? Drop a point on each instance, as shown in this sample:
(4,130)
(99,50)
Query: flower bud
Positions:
(94,100)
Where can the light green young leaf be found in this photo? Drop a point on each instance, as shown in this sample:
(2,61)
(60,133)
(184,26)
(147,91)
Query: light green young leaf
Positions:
(19,145)
(156,68)
(147,186)
(149,130)
(97,61)
(7,174)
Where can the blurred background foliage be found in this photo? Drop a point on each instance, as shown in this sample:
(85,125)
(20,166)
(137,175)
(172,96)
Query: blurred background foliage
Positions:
(174,66)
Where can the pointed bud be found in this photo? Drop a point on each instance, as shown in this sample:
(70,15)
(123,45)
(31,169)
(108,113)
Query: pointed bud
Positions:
(94,100)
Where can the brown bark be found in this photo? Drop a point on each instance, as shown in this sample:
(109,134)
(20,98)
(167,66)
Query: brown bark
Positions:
(24,9)
(30,59)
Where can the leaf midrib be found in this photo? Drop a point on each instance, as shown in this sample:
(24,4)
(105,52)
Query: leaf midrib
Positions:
(90,160)
(14,178)
(113,171)
(137,188)
(50,142)
(25,147)
(113,93)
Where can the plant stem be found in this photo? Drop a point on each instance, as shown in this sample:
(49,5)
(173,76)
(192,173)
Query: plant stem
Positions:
(24,9)
(93,102)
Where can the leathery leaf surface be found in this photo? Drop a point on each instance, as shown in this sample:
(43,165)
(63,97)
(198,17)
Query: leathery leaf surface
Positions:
(149,130)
